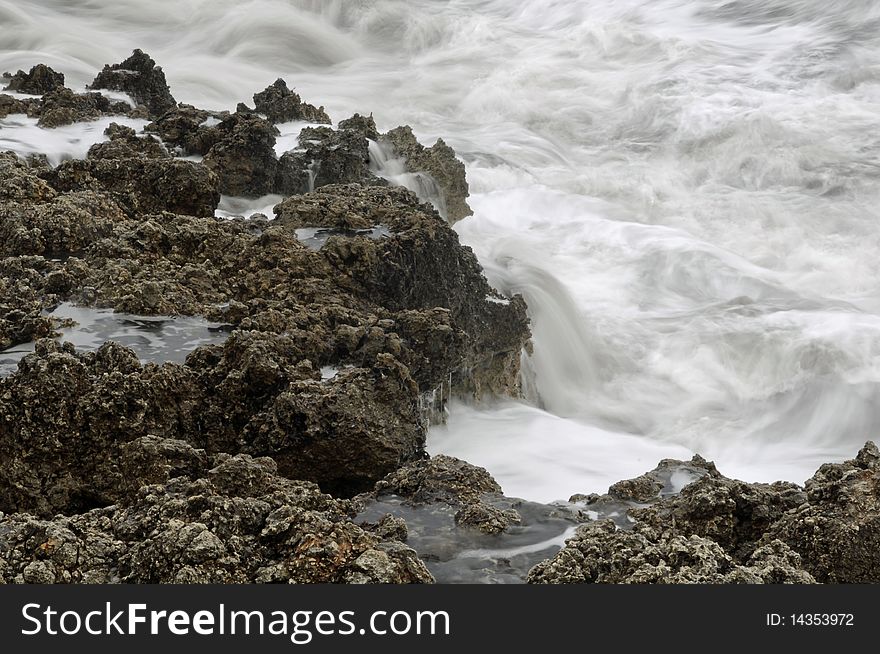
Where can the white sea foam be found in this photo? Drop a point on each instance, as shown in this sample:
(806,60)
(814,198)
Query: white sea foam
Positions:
(22,135)
(231,206)
(288,139)
(555,542)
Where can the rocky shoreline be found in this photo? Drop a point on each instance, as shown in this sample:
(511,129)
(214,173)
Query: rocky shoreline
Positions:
(248,463)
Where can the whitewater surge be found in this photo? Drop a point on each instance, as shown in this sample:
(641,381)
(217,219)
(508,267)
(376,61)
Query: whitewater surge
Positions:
(686,192)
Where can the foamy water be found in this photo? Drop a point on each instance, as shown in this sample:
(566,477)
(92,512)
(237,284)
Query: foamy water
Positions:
(686,193)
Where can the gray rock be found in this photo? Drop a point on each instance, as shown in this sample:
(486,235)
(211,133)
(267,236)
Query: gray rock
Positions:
(62,106)
(141,184)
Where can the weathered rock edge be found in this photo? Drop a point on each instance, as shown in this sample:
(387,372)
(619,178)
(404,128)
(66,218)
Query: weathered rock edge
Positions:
(719,530)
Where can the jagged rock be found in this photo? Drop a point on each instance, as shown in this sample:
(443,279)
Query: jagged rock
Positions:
(123,448)
(280,105)
(10,105)
(64,107)
(20,183)
(36,220)
(66,423)
(669,478)
(346,433)
(141,78)
(431,344)
(837,530)
(363,125)
(436,324)
(601,553)
(390,527)
(19,325)
(142,185)
(66,225)
(239,523)
(438,479)
(185,127)
(420,265)
(243,157)
(28,286)
(778,533)
(241,150)
(241,377)
(41,79)
(732,513)
(191,265)
(442,479)
(438,161)
(67,450)
(124,143)
(325,157)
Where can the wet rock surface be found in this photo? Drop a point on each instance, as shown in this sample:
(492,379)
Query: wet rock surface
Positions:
(602,553)
(326,156)
(27,287)
(142,185)
(467,489)
(411,270)
(461,524)
(186,128)
(243,156)
(837,530)
(12,105)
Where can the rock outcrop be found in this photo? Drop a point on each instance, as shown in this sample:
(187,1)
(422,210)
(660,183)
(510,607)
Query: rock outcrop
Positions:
(142,185)
(466,489)
(41,79)
(600,552)
(411,269)
(837,530)
(324,157)
(281,105)
(719,530)
(214,520)
(438,161)
(243,155)
(64,107)
(346,315)
(12,105)
(186,128)
(141,79)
